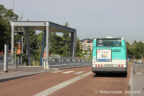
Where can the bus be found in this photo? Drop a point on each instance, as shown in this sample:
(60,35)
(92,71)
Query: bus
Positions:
(109,55)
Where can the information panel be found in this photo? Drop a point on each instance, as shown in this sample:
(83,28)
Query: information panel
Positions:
(103,55)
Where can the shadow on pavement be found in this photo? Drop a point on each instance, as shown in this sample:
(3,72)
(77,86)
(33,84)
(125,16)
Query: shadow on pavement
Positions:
(12,78)
(117,75)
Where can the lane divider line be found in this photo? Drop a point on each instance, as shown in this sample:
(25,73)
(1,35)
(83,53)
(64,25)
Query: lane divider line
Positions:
(62,85)
(79,72)
(57,71)
(68,72)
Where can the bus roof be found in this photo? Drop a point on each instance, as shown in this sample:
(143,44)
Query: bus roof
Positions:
(109,38)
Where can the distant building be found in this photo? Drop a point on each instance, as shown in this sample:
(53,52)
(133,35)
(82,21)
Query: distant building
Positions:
(131,43)
(86,46)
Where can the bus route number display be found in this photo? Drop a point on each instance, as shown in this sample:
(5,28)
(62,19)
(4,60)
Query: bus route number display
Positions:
(103,55)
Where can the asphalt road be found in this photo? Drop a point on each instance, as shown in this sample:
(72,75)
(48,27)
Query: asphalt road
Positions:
(97,85)
(67,82)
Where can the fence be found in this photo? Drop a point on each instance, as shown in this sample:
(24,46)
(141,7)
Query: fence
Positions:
(1,61)
(138,67)
(21,61)
(67,62)
(11,62)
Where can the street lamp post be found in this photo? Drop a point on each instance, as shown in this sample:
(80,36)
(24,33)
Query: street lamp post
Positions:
(13,5)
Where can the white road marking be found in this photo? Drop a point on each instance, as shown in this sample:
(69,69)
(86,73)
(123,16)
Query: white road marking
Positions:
(79,72)
(57,71)
(62,85)
(138,73)
(68,72)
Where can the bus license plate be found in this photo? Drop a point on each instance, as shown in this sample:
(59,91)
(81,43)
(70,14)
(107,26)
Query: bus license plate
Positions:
(108,65)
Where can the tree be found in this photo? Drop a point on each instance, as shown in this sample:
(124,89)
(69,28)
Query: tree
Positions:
(62,45)
(66,42)
(78,50)
(56,43)
(135,50)
(6,15)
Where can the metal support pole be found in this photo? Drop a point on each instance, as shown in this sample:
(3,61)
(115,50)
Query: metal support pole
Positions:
(12,41)
(28,47)
(22,48)
(42,49)
(22,45)
(73,44)
(46,66)
(6,53)
(74,49)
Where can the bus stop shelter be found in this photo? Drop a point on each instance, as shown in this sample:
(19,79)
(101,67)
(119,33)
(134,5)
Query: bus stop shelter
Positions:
(49,27)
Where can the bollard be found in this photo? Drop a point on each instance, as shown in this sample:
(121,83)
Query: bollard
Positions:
(46,65)
(6,53)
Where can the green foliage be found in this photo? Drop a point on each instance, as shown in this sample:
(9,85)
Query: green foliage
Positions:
(5,33)
(55,43)
(66,43)
(135,50)
(61,45)
(35,43)
(78,50)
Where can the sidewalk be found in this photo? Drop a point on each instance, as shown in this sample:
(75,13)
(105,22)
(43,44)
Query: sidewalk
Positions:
(138,85)
(138,80)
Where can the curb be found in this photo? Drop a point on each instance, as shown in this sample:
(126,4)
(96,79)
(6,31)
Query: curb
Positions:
(21,76)
(131,81)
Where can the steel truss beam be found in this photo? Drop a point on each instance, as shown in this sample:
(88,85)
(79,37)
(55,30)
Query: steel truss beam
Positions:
(49,27)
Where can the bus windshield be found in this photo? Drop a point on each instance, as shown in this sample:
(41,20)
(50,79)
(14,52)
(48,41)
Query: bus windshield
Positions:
(109,42)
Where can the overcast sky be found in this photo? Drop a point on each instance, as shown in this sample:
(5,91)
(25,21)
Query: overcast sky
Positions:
(91,18)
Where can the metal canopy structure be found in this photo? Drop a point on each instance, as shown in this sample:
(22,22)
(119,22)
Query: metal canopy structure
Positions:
(48,27)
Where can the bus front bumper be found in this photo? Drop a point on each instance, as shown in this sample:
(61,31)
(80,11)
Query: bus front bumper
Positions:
(109,69)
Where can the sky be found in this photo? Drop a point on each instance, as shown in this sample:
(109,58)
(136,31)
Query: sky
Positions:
(91,18)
